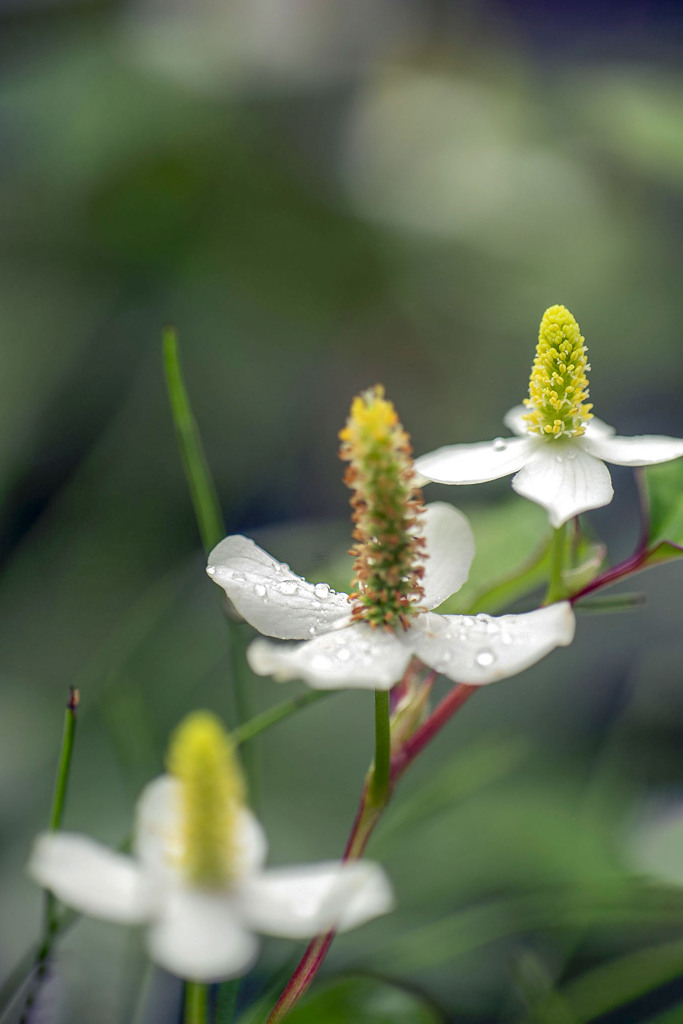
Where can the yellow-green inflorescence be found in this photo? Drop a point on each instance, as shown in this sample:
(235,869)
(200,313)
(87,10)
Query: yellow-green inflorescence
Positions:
(201,756)
(387,506)
(558,388)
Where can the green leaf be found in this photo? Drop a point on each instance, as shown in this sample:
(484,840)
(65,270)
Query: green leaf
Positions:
(369,1000)
(614,984)
(202,490)
(512,540)
(617,905)
(665,497)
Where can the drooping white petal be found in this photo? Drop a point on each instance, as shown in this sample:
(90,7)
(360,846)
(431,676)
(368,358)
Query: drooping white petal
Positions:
(476,463)
(355,657)
(304,901)
(199,935)
(91,878)
(565,480)
(645,450)
(483,649)
(450,550)
(158,832)
(270,596)
(514,420)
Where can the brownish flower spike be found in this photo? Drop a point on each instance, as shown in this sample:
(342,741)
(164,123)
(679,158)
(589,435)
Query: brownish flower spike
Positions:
(387,506)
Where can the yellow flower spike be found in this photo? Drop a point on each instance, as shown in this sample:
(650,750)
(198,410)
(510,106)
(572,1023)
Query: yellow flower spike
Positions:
(202,758)
(387,506)
(558,387)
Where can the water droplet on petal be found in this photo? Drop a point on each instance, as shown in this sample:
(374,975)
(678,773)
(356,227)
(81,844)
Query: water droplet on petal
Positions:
(499,444)
(559,458)
(484,658)
(237,577)
(260,590)
(344,654)
(311,630)
(322,590)
(211,570)
(287,587)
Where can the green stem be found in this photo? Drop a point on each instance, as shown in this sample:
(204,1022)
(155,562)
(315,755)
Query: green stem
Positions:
(259,723)
(50,917)
(58,800)
(196,1003)
(62,778)
(556,589)
(202,490)
(381,775)
(207,513)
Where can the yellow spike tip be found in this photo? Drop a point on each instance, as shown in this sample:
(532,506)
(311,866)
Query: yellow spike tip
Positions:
(201,757)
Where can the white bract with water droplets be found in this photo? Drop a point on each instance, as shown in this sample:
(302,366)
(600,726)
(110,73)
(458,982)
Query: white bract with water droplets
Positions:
(565,475)
(204,933)
(341,653)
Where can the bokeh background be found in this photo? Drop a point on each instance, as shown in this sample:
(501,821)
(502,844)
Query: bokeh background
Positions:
(321,196)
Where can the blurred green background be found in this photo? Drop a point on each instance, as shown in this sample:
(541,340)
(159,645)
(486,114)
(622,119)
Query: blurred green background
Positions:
(321,196)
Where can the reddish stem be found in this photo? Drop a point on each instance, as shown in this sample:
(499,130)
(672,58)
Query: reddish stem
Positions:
(366,818)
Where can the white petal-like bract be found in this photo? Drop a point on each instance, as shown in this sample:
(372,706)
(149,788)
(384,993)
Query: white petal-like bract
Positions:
(450,550)
(89,877)
(646,450)
(270,596)
(304,901)
(565,480)
(356,657)
(158,832)
(199,936)
(514,420)
(480,649)
(479,462)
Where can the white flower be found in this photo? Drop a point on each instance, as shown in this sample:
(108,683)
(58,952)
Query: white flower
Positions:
(558,451)
(565,475)
(340,653)
(204,933)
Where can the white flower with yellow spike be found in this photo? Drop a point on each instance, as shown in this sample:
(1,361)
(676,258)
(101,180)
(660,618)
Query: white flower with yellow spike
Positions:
(366,639)
(558,451)
(196,879)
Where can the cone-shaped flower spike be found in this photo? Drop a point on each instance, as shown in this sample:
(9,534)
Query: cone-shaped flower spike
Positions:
(196,879)
(409,559)
(558,451)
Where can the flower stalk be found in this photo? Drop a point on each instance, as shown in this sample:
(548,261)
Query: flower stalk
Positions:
(381,775)
(558,554)
(196,1003)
